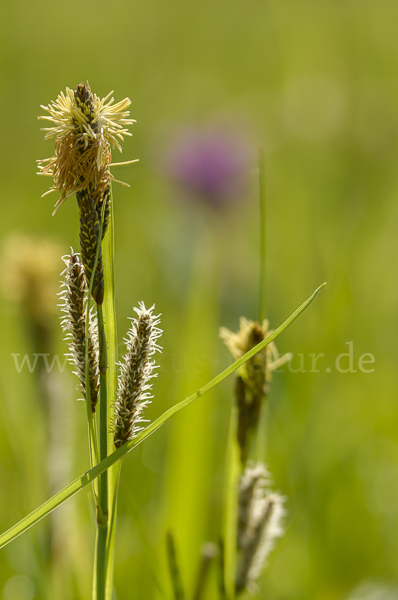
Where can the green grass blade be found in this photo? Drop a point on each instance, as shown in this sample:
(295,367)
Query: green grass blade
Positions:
(79,483)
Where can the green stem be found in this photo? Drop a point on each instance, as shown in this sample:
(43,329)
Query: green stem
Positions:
(110,319)
(93,442)
(101,451)
(231,507)
(174,567)
(263,248)
(102,508)
(113,489)
(261,426)
(92,430)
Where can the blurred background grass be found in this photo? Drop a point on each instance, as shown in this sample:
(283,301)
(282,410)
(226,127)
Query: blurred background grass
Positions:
(314,83)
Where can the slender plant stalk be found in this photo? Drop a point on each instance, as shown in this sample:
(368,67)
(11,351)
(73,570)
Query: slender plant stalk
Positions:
(113,488)
(209,552)
(99,448)
(110,322)
(102,508)
(261,429)
(93,440)
(79,483)
(174,568)
(94,450)
(92,429)
(222,594)
(263,240)
(231,507)
(86,128)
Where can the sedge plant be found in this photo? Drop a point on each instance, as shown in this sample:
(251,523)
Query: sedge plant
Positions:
(86,129)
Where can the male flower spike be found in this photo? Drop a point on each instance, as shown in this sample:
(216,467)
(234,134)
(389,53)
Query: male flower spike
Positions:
(86,128)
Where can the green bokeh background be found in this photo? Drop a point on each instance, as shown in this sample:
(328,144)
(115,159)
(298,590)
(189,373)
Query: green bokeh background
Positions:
(315,83)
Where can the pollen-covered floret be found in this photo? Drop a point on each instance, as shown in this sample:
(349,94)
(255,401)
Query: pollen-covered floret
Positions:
(85,128)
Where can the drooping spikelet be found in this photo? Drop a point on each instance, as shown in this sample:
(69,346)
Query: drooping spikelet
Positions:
(74,295)
(253,378)
(259,525)
(85,129)
(136,370)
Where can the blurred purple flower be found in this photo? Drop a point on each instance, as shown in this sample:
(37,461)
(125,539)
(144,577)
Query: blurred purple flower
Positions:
(209,164)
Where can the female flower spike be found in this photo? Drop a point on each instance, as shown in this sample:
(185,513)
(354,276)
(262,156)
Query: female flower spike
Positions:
(259,525)
(136,371)
(86,128)
(74,296)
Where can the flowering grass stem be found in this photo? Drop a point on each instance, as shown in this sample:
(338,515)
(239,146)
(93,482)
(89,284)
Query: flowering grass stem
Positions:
(102,507)
(262,421)
(231,507)
(86,128)
(88,477)
(263,238)
(93,439)
(99,447)
(109,310)
(113,489)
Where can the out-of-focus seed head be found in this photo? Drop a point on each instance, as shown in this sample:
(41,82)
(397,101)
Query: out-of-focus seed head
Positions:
(253,481)
(258,370)
(253,377)
(28,270)
(259,525)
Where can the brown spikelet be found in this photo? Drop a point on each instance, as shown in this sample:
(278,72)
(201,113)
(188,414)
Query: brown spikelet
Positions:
(102,200)
(90,222)
(74,296)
